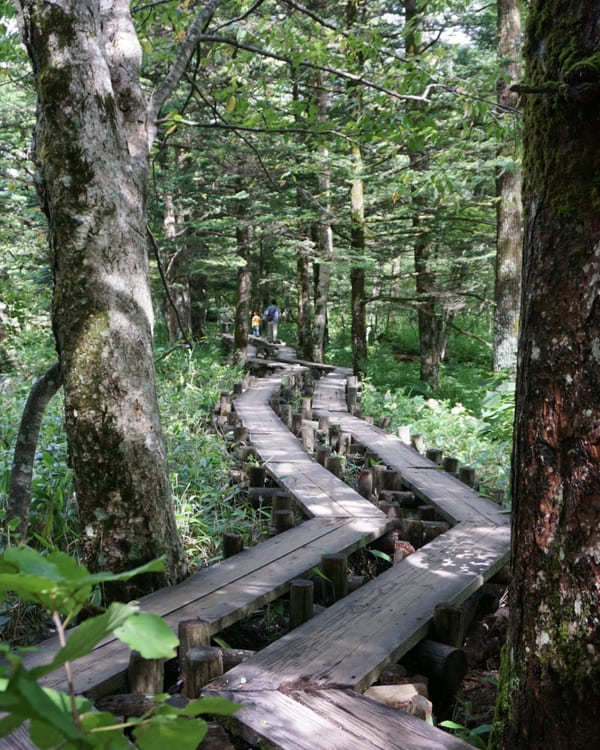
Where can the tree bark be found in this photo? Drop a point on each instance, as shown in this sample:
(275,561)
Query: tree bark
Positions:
(179,313)
(550,675)
(242,307)
(507,292)
(358,306)
(21,474)
(91,148)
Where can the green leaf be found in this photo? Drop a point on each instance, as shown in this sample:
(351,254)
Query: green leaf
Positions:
(47,705)
(154,566)
(448,724)
(9,723)
(44,736)
(96,723)
(216,705)
(85,637)
(381,555)
(150,635)
(180,733)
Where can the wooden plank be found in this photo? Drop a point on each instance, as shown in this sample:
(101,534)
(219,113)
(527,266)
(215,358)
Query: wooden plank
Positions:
(382,620)
(17,740)
(222,606)
(217,576)
(387,728)
(286,724)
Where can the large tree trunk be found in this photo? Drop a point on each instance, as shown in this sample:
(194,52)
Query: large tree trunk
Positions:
(550,679)
(91,149)
(507,293)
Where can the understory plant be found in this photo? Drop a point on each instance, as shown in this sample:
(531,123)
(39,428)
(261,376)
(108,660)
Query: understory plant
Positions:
(60,585)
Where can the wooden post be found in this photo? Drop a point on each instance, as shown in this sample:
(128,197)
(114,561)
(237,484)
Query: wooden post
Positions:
(384,422)
(352,381)
(240,434)
(448,625)
(324,423)
(404,434)
(378,471)
(445,667)
(283,520)
(192,634)
(301,601)
(232,544)
(145,675)
(238,388)
(426,512)
(256,476)
(285,414)
(432,529)
(352,398)
(308,438)
(369,419)
(334,464)
(306,407)
(412,530)
(466,474)
(435,455)
(224,403)
(323,453)
(365,483)
(418,443)
(335,567)
(280,502)
(334,436)
(450,465)
(344,443)
(296,423)
(402,498)
(200,666)
(391,480)
(356,411)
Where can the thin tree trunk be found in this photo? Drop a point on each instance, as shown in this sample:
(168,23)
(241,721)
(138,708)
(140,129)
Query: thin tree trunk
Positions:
(550,676)
(244,280)
(21,474)
(507,293)
(357,218)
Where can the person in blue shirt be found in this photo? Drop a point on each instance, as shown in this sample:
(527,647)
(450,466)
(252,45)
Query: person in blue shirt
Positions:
(272,316)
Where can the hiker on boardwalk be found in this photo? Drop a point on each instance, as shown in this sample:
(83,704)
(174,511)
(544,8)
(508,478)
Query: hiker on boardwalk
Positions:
(272,316)
(255,323)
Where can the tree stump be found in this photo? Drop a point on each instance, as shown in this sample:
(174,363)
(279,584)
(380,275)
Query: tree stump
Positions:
(232,544)
(335,567)
(192,634)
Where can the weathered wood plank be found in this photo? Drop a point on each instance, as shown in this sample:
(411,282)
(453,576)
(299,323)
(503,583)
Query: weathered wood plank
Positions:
(221,602)
(382,620)
(385,727)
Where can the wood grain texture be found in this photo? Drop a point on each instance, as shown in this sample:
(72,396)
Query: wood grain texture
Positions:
(379,622)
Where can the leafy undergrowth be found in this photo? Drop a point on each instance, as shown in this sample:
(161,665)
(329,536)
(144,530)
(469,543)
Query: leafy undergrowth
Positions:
(469,416)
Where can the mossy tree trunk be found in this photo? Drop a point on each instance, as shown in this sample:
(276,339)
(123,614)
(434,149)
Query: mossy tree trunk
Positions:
(92,137)
(550,681)
(507,291)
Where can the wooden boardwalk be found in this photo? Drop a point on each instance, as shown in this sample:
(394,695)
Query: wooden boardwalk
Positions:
(303,691)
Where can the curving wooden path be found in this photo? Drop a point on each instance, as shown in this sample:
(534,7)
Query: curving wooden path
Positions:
(303,691)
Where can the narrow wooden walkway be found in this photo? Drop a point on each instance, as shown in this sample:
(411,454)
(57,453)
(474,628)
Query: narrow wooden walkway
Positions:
(301,692)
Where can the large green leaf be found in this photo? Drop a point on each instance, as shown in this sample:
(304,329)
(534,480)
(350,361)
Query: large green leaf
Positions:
(184,734)
(84,638)
(150,635)
(212,705)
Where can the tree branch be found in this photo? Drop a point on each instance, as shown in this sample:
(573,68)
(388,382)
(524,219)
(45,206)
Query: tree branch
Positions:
(21,474)
(188,45)
(166,287)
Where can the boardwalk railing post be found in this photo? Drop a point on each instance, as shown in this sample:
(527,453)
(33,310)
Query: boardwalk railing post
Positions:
(145,675)
(200,666)
(435,455)
(335,567)
(301,601)
(232,544)
(450,465)
(404,434)
(283,520)
(192,634)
